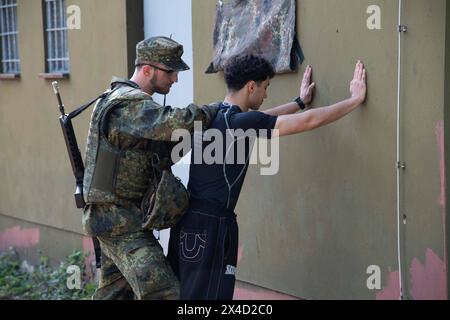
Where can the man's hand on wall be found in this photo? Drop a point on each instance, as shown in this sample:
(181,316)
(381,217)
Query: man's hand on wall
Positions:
(307,88)
(358,86)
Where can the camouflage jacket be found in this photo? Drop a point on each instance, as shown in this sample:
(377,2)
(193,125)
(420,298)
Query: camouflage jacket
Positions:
(135,127)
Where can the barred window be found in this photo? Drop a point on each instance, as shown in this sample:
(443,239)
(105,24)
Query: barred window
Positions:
(10,63)
(56,46)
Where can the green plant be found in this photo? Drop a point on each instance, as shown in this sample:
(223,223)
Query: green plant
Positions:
(44,282)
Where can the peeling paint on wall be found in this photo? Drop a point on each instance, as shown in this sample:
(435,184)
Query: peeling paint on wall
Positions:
(240,253)
(392,289)
(441,147)
(19,238)
(442,199)
(255,294)
(428,281)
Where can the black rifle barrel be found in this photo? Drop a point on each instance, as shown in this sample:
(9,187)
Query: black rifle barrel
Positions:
(58,96)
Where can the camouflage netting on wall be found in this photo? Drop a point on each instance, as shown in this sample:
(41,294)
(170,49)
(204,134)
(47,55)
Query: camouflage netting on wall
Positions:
(264,27)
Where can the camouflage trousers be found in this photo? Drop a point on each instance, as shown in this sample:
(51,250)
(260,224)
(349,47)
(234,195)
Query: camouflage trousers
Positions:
(134,267)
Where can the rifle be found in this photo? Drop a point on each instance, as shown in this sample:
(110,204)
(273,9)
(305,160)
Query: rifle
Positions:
(72,148)
(75,156)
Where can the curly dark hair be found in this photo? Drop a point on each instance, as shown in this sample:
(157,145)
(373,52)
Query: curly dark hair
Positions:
(241,69)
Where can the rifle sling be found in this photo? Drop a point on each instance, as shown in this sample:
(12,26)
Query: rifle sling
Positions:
(76,112)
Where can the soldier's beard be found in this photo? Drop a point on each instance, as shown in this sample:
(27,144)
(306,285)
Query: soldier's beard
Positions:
(156,88)
(162,91)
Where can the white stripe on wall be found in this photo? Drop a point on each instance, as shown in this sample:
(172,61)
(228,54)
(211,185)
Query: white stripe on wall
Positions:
(166,18)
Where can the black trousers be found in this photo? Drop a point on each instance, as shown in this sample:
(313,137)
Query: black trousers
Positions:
(203,250)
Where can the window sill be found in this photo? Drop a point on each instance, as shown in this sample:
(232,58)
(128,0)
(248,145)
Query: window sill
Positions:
(54,76)
(9,76)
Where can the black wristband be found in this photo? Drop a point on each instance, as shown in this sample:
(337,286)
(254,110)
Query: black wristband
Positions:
(300,103)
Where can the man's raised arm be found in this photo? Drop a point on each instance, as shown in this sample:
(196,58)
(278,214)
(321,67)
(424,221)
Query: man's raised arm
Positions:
(306,95)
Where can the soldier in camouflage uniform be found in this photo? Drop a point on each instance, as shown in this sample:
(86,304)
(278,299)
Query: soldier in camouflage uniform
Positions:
(127,129)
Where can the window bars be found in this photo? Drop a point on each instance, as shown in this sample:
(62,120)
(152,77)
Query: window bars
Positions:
(10,63)
(57,51)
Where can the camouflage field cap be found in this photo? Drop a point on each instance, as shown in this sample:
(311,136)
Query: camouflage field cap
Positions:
(162,50)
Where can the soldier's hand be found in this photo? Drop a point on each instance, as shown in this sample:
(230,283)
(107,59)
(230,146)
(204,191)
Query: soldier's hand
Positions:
(211,112)
(307,88)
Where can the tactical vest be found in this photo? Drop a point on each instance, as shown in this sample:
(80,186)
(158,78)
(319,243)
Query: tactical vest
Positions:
(111,174)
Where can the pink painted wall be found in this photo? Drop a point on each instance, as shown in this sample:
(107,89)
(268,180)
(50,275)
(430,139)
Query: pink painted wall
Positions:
(428,280)
(19,238)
